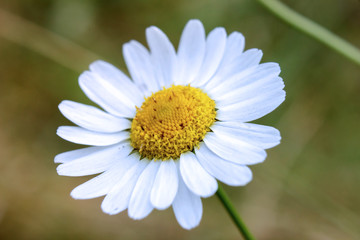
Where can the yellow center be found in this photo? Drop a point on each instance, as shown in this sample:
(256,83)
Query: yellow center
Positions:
(172,121)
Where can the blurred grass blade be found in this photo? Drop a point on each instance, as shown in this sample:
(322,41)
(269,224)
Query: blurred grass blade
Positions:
(38,39)
(312,29)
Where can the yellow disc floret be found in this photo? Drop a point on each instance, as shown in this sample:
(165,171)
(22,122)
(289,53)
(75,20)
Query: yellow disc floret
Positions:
(172,121)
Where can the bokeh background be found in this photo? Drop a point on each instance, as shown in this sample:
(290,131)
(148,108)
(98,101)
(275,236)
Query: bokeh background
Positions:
(308,188)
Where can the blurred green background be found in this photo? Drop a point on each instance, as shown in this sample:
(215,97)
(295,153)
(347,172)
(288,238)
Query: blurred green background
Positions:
(308,188)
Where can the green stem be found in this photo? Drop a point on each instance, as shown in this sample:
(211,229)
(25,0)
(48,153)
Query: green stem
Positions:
(312,29)
(233,214)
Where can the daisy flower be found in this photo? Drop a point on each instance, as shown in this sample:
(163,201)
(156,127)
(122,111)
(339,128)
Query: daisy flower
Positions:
(178,124)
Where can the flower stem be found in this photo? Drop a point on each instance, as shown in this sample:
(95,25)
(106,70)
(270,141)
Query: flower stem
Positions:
(312,29)
(233,214)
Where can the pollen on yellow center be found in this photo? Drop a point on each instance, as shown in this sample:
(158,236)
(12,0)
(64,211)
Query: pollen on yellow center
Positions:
(172,121)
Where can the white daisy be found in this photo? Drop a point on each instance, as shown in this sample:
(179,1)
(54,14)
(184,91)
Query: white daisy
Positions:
(178,125)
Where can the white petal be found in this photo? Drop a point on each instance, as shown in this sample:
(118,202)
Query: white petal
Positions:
(191,52)
(234,150)
(163,56)
(140,205)
(117,200)
(92,118)
(165,185)
(101,185)
(75,154)
(258,135)
(215,48)
(138,61)
(94,160)
(247,84)
(235,45)
(82,136)
(195,177)
(251,109)
(232,60)
(230,173)
(187,207)
(100,92)
(117,82)
(266,86)
(247,61)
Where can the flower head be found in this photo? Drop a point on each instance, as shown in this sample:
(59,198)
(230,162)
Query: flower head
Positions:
(178,125)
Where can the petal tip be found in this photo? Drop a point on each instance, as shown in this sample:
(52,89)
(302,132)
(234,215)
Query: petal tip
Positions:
(59,170)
